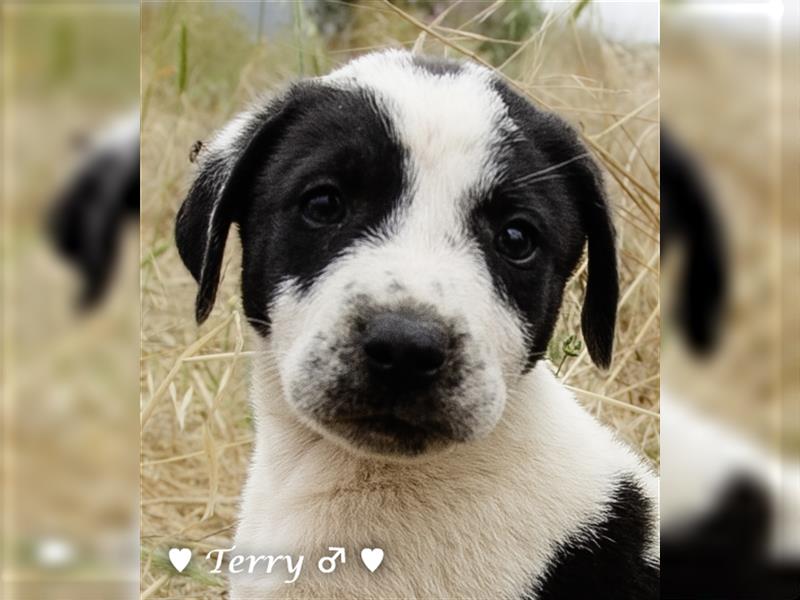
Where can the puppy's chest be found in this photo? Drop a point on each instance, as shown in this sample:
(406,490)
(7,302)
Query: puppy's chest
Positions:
(432,547)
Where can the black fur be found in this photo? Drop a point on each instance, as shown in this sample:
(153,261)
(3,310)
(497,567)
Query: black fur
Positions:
(312,135)
(215,199)
(86,220)
(572,206)
(606,560)
(725,554)
(688,219)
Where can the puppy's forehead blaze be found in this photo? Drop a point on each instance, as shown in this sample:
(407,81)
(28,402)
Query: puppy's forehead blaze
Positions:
(448,117)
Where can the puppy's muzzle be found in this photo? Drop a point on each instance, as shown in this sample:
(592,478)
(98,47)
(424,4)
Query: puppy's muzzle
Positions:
(404,352)
(395,386)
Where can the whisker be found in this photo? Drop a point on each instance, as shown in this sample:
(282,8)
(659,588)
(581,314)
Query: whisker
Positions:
(518,183)
(563,163)
(259,321)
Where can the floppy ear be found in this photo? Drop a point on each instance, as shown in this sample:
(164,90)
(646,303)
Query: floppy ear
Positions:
(688,219)
(216,197)
(599,314)
(86,220)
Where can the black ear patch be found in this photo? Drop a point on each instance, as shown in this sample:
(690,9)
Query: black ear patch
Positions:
(688,219)
(85,222)
(315,134)
(545,143)
(215,198)
(599,313)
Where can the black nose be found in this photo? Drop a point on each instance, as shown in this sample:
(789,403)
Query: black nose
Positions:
(405,351)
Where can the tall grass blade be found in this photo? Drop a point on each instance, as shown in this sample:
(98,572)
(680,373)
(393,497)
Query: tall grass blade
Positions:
(183,59)
(579,9)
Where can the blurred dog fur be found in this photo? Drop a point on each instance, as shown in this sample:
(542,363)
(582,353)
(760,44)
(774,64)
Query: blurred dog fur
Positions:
(88,214)
(730,511)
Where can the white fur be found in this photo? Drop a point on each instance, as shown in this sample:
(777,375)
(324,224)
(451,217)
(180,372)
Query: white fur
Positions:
(119,134)
(118,138)
(226,138)
(480,521)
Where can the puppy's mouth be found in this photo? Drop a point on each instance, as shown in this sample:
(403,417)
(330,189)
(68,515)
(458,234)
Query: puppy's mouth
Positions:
(388,434)
(392,426)
(391,381)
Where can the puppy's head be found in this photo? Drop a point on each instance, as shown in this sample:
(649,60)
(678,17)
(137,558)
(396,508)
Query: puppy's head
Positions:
(408,228)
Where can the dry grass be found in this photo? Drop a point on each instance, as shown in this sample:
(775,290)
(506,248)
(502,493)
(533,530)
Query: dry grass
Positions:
(196,429)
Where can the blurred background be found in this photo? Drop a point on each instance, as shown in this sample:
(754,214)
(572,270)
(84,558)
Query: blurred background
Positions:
(729,91)
(730,401)
(69,365)
(596,64)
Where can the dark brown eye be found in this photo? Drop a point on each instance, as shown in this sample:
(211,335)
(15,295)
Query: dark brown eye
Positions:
(322,207)
(516,240)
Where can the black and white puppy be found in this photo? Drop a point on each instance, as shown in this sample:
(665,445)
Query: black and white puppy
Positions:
(408,227)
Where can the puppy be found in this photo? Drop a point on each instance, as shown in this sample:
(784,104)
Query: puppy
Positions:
(408,227)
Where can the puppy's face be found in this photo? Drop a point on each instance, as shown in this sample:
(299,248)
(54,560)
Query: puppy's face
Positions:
(408,228)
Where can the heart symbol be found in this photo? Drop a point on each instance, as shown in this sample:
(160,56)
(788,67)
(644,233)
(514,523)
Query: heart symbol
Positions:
(180,557)
(372,558)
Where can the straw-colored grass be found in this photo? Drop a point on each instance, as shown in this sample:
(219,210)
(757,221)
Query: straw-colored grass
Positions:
(196,426)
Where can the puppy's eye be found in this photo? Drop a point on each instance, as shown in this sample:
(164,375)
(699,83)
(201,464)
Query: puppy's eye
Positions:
(322,206)
(516,240)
